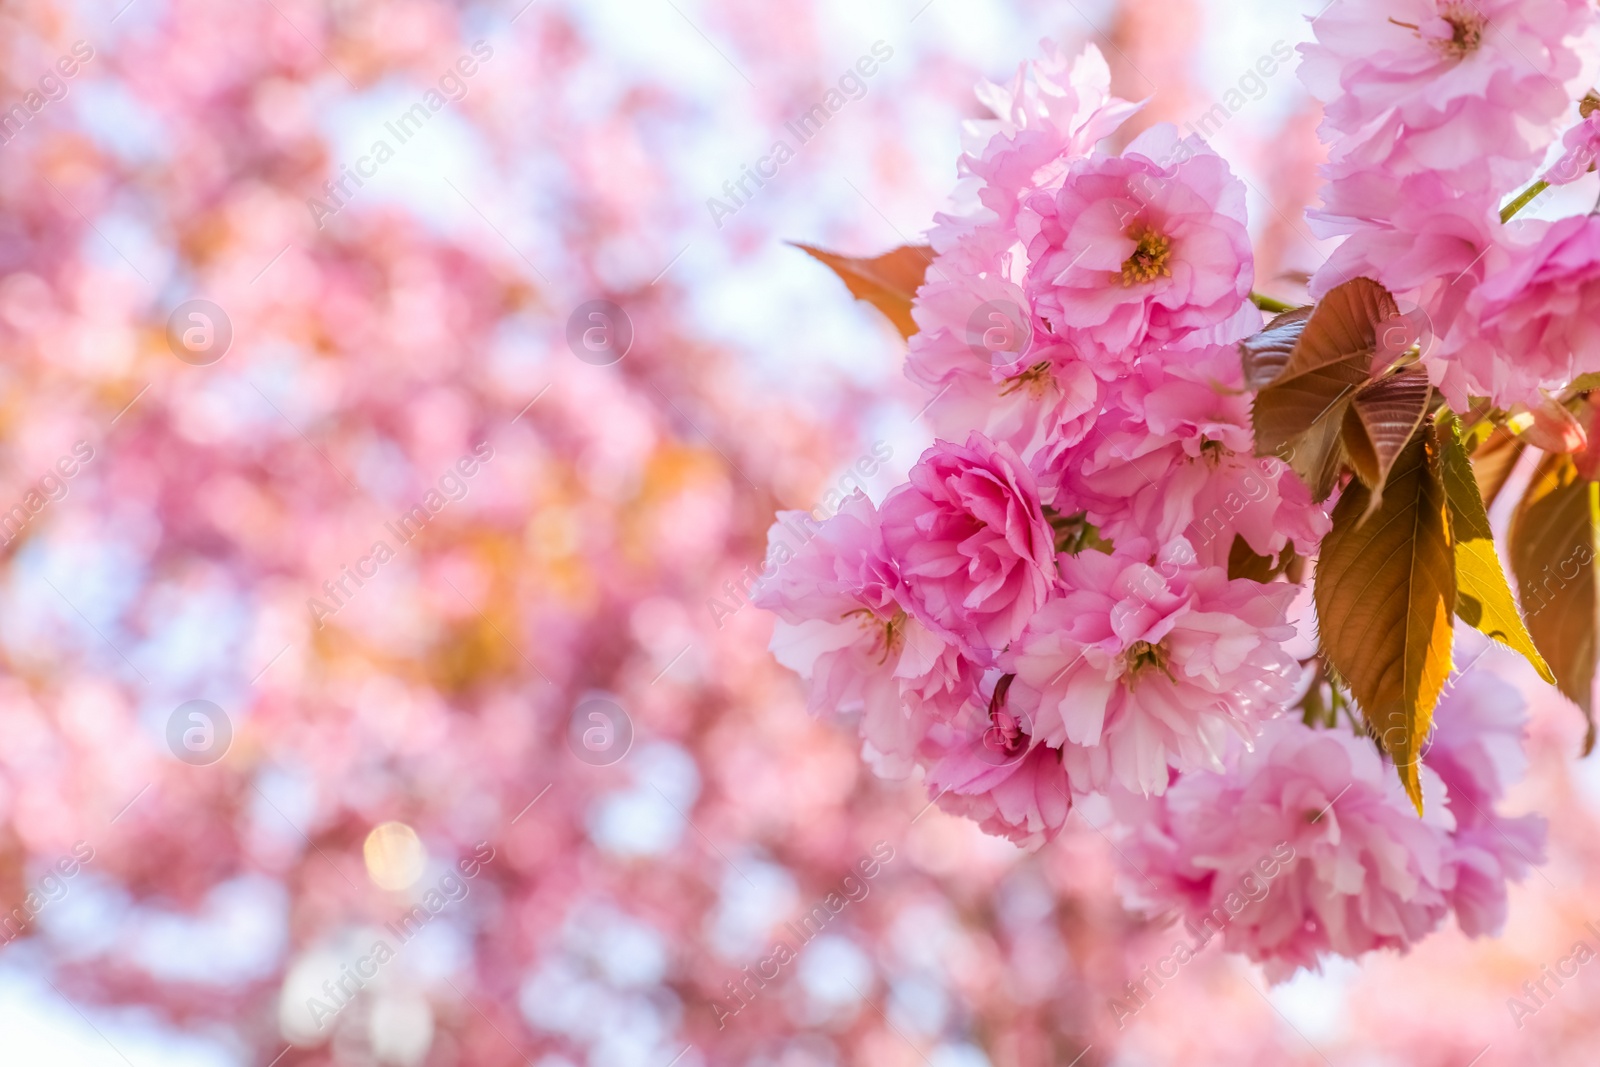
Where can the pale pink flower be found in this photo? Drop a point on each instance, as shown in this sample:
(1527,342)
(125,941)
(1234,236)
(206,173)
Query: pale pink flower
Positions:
(1054,110)
(975,553)
(1477,748)
(985,368)
(976,349)
(1307,846)
(989,769)
(1173,455)
(1141,669)
(1139,248)
(1533,323)
(840,626)
(1434,110)
(1349,867)
(1406,234)
(1473,88)
(1421,238)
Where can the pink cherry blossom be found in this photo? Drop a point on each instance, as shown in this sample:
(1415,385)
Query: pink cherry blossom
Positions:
(625,900)
(1139,248)
(976,351)
(989,769)
(1472,89)
(1435,109)
(841,626)
(1534,323)
(1477,748)
(1321,827)
(1317,820)
(1409,234)
(1053,110)
(975,552)
(1173,455)
(984,368)
(1146,668)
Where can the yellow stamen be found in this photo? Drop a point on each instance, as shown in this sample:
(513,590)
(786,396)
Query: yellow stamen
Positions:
(1149,259)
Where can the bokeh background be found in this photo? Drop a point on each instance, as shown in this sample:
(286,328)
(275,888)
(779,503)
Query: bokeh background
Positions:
(361,738)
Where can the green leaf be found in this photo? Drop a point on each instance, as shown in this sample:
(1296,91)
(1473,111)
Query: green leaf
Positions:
(1552,547)
(1385,593)
(1074,533)
(1585,382)
(1483,596)
(1307,368)
(888,282)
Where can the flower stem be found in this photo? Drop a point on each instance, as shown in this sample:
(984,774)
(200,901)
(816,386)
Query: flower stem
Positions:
(1523,200)
(1266,303)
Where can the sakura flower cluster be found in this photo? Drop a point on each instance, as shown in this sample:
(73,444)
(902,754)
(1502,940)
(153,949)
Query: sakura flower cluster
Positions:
(1365,872)
(1436,112)
(1088,584)
(1044,610)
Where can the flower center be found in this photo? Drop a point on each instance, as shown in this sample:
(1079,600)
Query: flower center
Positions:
(1034,378)
(1142,654)
(1149,259)
(1005,736)
(888,634)
(1466,24)
(1075,532)
(1466,29)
